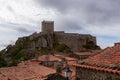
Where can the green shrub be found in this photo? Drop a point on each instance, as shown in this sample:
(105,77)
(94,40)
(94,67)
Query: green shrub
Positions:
(90,45)
(2,60)
(62,48)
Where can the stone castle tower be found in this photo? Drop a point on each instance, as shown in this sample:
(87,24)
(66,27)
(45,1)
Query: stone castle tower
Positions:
(48,26)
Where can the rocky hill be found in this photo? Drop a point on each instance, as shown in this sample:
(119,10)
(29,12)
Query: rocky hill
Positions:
(45,42)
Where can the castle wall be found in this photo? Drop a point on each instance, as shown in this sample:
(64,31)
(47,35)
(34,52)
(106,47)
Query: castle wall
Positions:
(85,36)
(74,41)
(65,39)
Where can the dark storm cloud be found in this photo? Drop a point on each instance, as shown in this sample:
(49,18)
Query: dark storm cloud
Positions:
(93,12)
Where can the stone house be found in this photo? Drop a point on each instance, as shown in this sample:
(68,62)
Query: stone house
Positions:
(103,66)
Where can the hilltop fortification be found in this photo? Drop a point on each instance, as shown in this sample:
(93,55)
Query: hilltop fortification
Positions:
(49,39)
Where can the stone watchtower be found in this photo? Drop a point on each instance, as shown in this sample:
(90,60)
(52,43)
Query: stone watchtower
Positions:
(48,26)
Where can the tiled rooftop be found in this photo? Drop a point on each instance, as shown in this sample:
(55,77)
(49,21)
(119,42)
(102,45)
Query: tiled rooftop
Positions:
(70,59)
(65,57)
(48,58)
(107,60)
(17,73)
(41,70)
(26,72)
(3,77)
(32,70)
(88,53)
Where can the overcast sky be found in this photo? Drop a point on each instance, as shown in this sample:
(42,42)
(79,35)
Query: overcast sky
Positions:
(100,18)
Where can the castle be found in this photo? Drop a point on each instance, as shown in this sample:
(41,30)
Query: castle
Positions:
(47,38)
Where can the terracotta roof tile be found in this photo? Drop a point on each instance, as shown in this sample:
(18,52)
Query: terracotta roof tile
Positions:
(48,57)
(107,60)
(84,53)
(60,56)
(42,70)
(26,72)
(71,62)
(3,77)
(66,57)
(70,59)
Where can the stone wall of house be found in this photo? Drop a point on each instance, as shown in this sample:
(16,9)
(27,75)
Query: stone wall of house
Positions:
(88,74)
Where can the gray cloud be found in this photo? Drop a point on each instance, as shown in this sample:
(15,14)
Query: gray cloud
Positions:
(60,5)
(71,25)
(21,28)
(10,9)
(91,12)
(3,45)
(67,24)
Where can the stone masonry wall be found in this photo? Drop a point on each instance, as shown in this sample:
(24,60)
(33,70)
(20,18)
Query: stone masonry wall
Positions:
(87,74)
(70,40)
(47,26)
(74,41)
